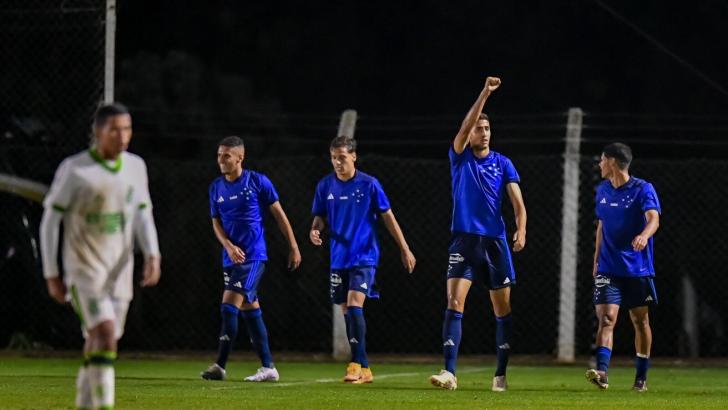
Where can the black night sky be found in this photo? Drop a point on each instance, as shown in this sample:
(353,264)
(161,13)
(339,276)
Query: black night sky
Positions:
(420,58)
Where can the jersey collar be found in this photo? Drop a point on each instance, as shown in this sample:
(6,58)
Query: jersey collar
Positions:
(105,164)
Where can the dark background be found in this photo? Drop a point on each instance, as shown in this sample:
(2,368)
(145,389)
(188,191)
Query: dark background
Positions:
(280,73)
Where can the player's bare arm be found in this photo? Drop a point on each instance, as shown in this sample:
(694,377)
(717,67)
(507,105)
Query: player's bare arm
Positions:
(597,245)
(471,118)
(294,255)
(408,259)
(316,227)
(653,222)
(236,254)
(152,271)
(519,210)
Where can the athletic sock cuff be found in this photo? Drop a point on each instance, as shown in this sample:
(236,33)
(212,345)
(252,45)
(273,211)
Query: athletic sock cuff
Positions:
(229,308)
(252,313)
(355,310)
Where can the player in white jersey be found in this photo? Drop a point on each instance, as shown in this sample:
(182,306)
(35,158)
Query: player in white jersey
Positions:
(102,197)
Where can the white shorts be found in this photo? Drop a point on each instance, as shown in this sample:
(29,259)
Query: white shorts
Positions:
(93,310)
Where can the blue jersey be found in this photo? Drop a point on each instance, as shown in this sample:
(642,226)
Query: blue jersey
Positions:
(352,209)
(478,187)
(240,206)
(622,212)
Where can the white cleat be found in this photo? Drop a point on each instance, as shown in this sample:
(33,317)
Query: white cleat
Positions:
(445,380)
(264,374)
(499,384)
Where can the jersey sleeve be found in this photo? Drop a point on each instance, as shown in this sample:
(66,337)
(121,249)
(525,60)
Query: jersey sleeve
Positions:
(214,209)
(456,158)
(380,202)
(319,201)
(649,200)
(596,203)
(509,172)
(268,195)
(145,200)
(62,190)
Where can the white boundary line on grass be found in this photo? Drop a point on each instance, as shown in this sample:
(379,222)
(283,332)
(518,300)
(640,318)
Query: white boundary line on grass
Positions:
(377,377)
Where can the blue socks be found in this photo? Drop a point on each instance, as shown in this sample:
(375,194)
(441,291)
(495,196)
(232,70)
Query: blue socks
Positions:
(349,334)
(228,332)
(258,335)
(642,363)
(357,339)
(451,334)
(603,356)
(502,343)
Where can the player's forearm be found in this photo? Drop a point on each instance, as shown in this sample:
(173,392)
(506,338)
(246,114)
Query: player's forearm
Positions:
(521,218)
(285,227)
(146,233)
(318,223)
(390,222)
(597,242)
(49,230)
(220,234)
(653,223)
(471,119)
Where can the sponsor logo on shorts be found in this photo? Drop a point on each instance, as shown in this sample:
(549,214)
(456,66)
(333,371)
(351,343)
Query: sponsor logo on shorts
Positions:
(335,280)
(364,286)
(456,258)
(507,281)
(649,299)
(601,281)
(238,284)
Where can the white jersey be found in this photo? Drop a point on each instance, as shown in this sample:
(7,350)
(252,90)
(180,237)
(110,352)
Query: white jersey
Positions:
(99,200)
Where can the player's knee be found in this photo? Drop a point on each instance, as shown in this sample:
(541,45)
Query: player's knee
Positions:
(454,303)
(641,322)
(607,320)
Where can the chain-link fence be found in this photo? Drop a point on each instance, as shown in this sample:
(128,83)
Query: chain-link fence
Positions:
(53,55)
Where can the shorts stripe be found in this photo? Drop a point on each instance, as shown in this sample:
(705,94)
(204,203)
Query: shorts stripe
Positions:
(77,305)
(251,275)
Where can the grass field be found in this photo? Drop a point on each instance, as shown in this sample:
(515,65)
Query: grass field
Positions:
(27,383)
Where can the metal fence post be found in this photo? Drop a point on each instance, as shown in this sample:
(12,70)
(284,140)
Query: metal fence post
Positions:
(569,237)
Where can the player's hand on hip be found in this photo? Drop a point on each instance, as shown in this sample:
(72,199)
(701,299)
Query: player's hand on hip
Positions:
(294,259)
(315,237)
(639,242)
(408,260)
(56,289)
(595,270)
(492,83)
(519,241)
(152,271)
(236,254)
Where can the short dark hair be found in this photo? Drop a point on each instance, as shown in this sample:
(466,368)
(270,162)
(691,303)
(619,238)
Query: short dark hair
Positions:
(105,111)
(232,142)
(620,152)
(344,141)
(483,116)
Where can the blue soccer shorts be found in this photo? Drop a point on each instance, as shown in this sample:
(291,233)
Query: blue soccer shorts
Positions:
(624,291)
(479,257)
(244,278)
(360,279)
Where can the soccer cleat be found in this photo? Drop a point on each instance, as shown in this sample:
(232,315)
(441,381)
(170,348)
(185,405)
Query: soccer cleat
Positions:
(214,372)
(445,379)
(499,383)
(598,378)
(640,385)
(263,374)
(366,376)
(353,372)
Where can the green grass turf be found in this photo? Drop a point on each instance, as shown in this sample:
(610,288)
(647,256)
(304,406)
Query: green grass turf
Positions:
(174,384)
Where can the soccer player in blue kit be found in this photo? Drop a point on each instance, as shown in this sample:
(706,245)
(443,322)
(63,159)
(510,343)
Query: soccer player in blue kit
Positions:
(478,247)
(351,201)
(629,214)
(239,199)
